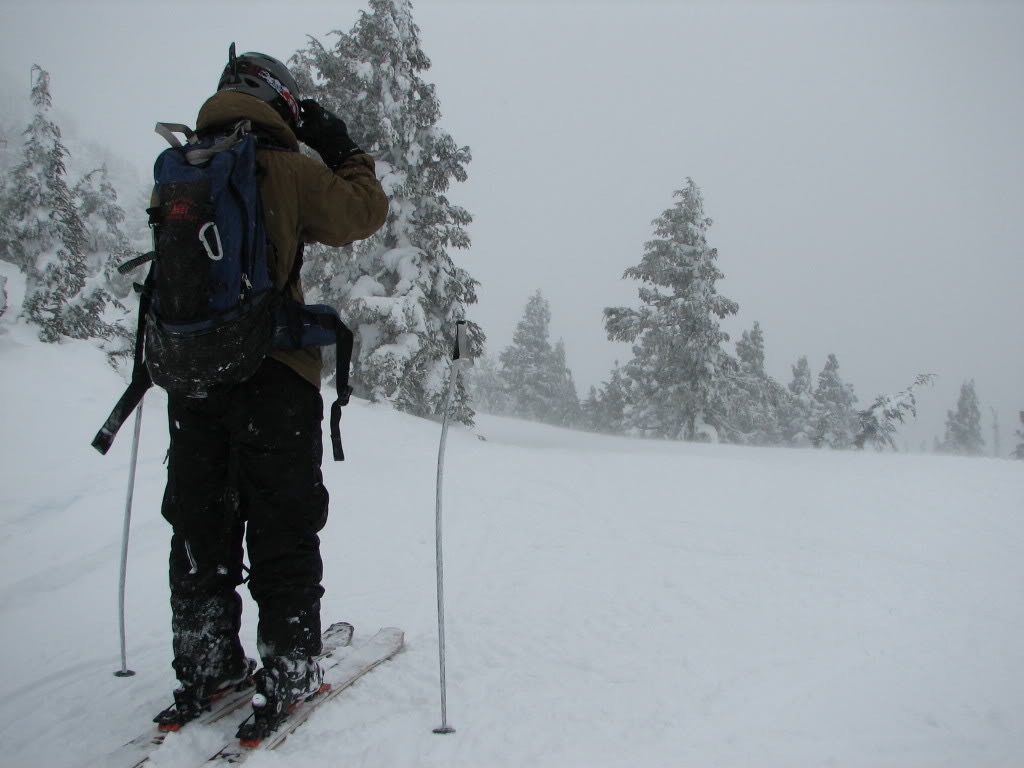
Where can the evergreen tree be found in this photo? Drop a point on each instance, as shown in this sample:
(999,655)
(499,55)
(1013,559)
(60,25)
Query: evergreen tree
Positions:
(8,140)
(963,426)
(612,401)
(567,411)
(107,244)
(10,304)
(837,424)
(1018,452)
(9,157)
(590,410)
(756,400)
(66,240)
(677,378)
(878,424)
(603,408)
(537,380)
(486,386)
(526,361)
(99,307)
(800,410)
(42,233)
(400,290)
(750,349)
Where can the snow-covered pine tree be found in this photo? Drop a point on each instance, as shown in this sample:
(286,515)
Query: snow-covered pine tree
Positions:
(10,130)
(8,158)
(800,409)
(525,363)
(677,378)
(613,401)
(837,422)
(12,279)
(567,411)
(486,386)
(878,424)
(590,409)
(400,290)
(756,401)
(537,382)
(107,243)
(750,349)
(8,140)
(605,408)
(963,425)
(1018,452)
(42,233)
(7,134)
(106,247)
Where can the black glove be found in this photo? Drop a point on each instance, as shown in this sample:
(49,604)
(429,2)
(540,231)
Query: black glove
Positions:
(326,133)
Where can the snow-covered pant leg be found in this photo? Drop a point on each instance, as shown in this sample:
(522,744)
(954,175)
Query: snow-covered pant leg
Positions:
(285,503)
(206,544)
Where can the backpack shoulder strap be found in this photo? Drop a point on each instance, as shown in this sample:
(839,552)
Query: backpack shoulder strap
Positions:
(206,150)
(168,131)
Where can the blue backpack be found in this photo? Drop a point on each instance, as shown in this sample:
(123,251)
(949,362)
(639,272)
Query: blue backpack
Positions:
(209,311)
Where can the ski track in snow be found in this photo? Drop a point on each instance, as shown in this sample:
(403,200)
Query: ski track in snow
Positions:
(609,602)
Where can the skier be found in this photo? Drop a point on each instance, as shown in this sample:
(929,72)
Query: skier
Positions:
(245,460)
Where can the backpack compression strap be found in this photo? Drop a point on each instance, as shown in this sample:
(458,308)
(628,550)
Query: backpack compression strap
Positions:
(137,388)
(300,318)
(343,341)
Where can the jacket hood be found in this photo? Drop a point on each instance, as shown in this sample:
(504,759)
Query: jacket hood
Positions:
(228,107)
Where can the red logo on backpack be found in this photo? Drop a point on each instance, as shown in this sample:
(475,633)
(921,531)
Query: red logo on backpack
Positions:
(182,209)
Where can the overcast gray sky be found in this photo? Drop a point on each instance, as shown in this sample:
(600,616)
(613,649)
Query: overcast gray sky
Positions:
(862,162)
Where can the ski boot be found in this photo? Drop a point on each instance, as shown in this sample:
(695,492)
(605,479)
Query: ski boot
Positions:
(191,699)
(281,685)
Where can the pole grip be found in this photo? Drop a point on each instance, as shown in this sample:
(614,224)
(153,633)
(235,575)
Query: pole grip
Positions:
(460,355)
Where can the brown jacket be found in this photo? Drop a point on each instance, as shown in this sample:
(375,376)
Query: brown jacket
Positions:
(303,200)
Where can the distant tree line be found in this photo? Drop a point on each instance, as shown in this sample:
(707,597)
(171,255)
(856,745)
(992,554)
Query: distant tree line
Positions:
(682,383)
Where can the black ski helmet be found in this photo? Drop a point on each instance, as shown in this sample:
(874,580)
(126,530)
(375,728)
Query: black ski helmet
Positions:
(266,78)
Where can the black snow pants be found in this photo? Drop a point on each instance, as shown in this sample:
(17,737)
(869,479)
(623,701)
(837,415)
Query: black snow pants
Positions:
(245,461)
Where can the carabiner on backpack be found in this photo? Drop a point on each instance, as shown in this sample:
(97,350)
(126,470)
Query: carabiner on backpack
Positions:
(216,241)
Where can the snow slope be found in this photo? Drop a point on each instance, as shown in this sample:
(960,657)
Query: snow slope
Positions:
(610,602)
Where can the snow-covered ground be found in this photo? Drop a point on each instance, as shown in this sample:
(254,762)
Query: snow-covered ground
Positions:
(610,602)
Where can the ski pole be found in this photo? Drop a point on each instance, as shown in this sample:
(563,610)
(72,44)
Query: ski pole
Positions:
(124,671)
(459,360)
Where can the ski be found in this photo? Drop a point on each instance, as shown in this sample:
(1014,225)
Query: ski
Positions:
(340,672)
(137,752)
